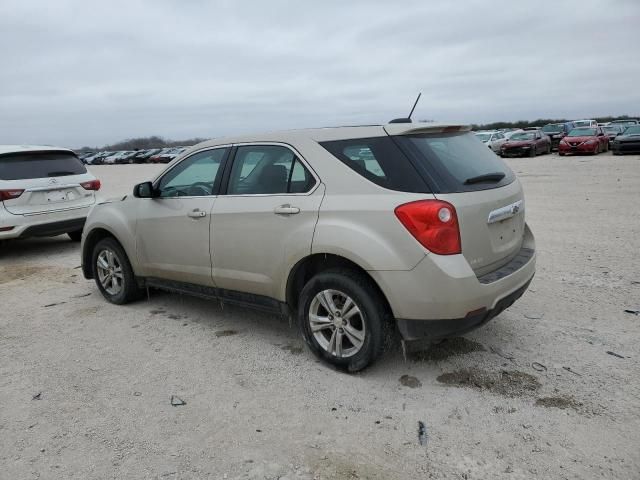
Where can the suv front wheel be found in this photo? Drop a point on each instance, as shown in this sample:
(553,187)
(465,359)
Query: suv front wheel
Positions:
(113,273)
(342,319)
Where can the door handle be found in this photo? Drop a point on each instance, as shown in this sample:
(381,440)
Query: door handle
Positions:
(196,214)
(286,210)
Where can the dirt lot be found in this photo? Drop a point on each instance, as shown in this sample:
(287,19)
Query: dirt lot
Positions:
(86,386)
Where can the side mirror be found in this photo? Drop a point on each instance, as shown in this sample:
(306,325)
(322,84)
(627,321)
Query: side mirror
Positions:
(144,190)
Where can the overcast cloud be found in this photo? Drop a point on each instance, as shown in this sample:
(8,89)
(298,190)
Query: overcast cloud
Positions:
(90,73)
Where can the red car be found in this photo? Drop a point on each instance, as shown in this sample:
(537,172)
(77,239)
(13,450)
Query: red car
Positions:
(591,140)
(526,144)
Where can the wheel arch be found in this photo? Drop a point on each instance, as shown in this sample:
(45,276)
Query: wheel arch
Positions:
(315,263)
(90,241)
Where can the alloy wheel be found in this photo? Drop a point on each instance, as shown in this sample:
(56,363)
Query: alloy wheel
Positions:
(109,270)
(337,323)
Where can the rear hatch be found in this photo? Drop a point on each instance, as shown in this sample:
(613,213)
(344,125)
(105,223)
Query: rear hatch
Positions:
(487,197)
(50,180)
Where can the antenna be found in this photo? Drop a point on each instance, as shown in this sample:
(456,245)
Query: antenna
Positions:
(414,105)
(408,119)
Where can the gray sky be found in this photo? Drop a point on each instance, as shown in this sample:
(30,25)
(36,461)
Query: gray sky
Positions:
(90,73)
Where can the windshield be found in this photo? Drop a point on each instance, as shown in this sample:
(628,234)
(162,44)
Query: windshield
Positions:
(582,123)
(635,130)
(612,129)
(20,166)
(582,132)
(523,136)
(552,127)
(483,137)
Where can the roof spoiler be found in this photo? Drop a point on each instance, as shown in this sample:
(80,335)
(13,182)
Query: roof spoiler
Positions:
(402,128)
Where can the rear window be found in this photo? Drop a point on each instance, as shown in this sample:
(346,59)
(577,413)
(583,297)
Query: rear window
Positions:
(379,160)
(20,166)
(452,162)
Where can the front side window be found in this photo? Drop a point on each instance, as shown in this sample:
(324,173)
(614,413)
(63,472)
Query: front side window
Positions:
(193,177)
(268,170)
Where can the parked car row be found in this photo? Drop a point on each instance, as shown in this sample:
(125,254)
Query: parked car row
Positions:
(577,136)
(153,155)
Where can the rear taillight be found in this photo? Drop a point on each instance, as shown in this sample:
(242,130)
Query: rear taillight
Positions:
(10,194)
(433,223)
(91,185)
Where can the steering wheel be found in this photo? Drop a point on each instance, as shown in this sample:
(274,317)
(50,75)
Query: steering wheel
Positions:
(199,189)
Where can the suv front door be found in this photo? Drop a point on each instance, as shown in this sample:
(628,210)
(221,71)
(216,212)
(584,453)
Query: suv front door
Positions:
(265,220)
(172,231)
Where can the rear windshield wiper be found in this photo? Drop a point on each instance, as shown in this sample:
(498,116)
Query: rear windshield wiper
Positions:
(487,177)
(61,173)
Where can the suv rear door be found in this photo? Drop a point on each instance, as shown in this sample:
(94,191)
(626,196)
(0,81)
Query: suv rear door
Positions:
(51,180)
(265,218)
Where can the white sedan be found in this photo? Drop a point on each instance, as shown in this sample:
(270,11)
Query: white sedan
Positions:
(493,140)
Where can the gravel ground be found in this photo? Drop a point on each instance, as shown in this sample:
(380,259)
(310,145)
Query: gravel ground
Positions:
(86,387)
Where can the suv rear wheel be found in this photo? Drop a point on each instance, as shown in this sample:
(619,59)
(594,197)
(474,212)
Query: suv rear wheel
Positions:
(113,273)
(342,319)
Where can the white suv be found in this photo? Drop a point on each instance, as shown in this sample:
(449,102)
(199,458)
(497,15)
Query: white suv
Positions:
(44,191)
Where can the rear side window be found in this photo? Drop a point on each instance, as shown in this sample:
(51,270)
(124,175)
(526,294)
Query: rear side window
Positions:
(379,160)
(452,162)
(22,166)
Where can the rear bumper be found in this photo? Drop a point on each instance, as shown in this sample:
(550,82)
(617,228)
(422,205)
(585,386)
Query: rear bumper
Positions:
(53,229)
(41,225)
(444,294)
(438,329)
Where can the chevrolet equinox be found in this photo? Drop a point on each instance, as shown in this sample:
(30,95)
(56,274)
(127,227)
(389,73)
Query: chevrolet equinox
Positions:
(354,230)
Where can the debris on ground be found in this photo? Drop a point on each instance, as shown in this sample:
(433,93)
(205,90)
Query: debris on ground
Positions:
(177,401)
(423,436)
(53,304)
(558,402)
(137,394)
(225,333)
(292,349)
(82,295)
(448,348)
(568,369)
(609,352)
(537,366)
(633,310)
(37,396)
(510,383)
(409,381)
(534,316)
(500,353)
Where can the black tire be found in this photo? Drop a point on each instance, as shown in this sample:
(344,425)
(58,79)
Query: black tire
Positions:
(373,315)
(76,235)
(129,290)
(532,152)
(549,149)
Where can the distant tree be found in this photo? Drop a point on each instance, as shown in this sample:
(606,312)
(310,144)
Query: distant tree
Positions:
(143,143)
